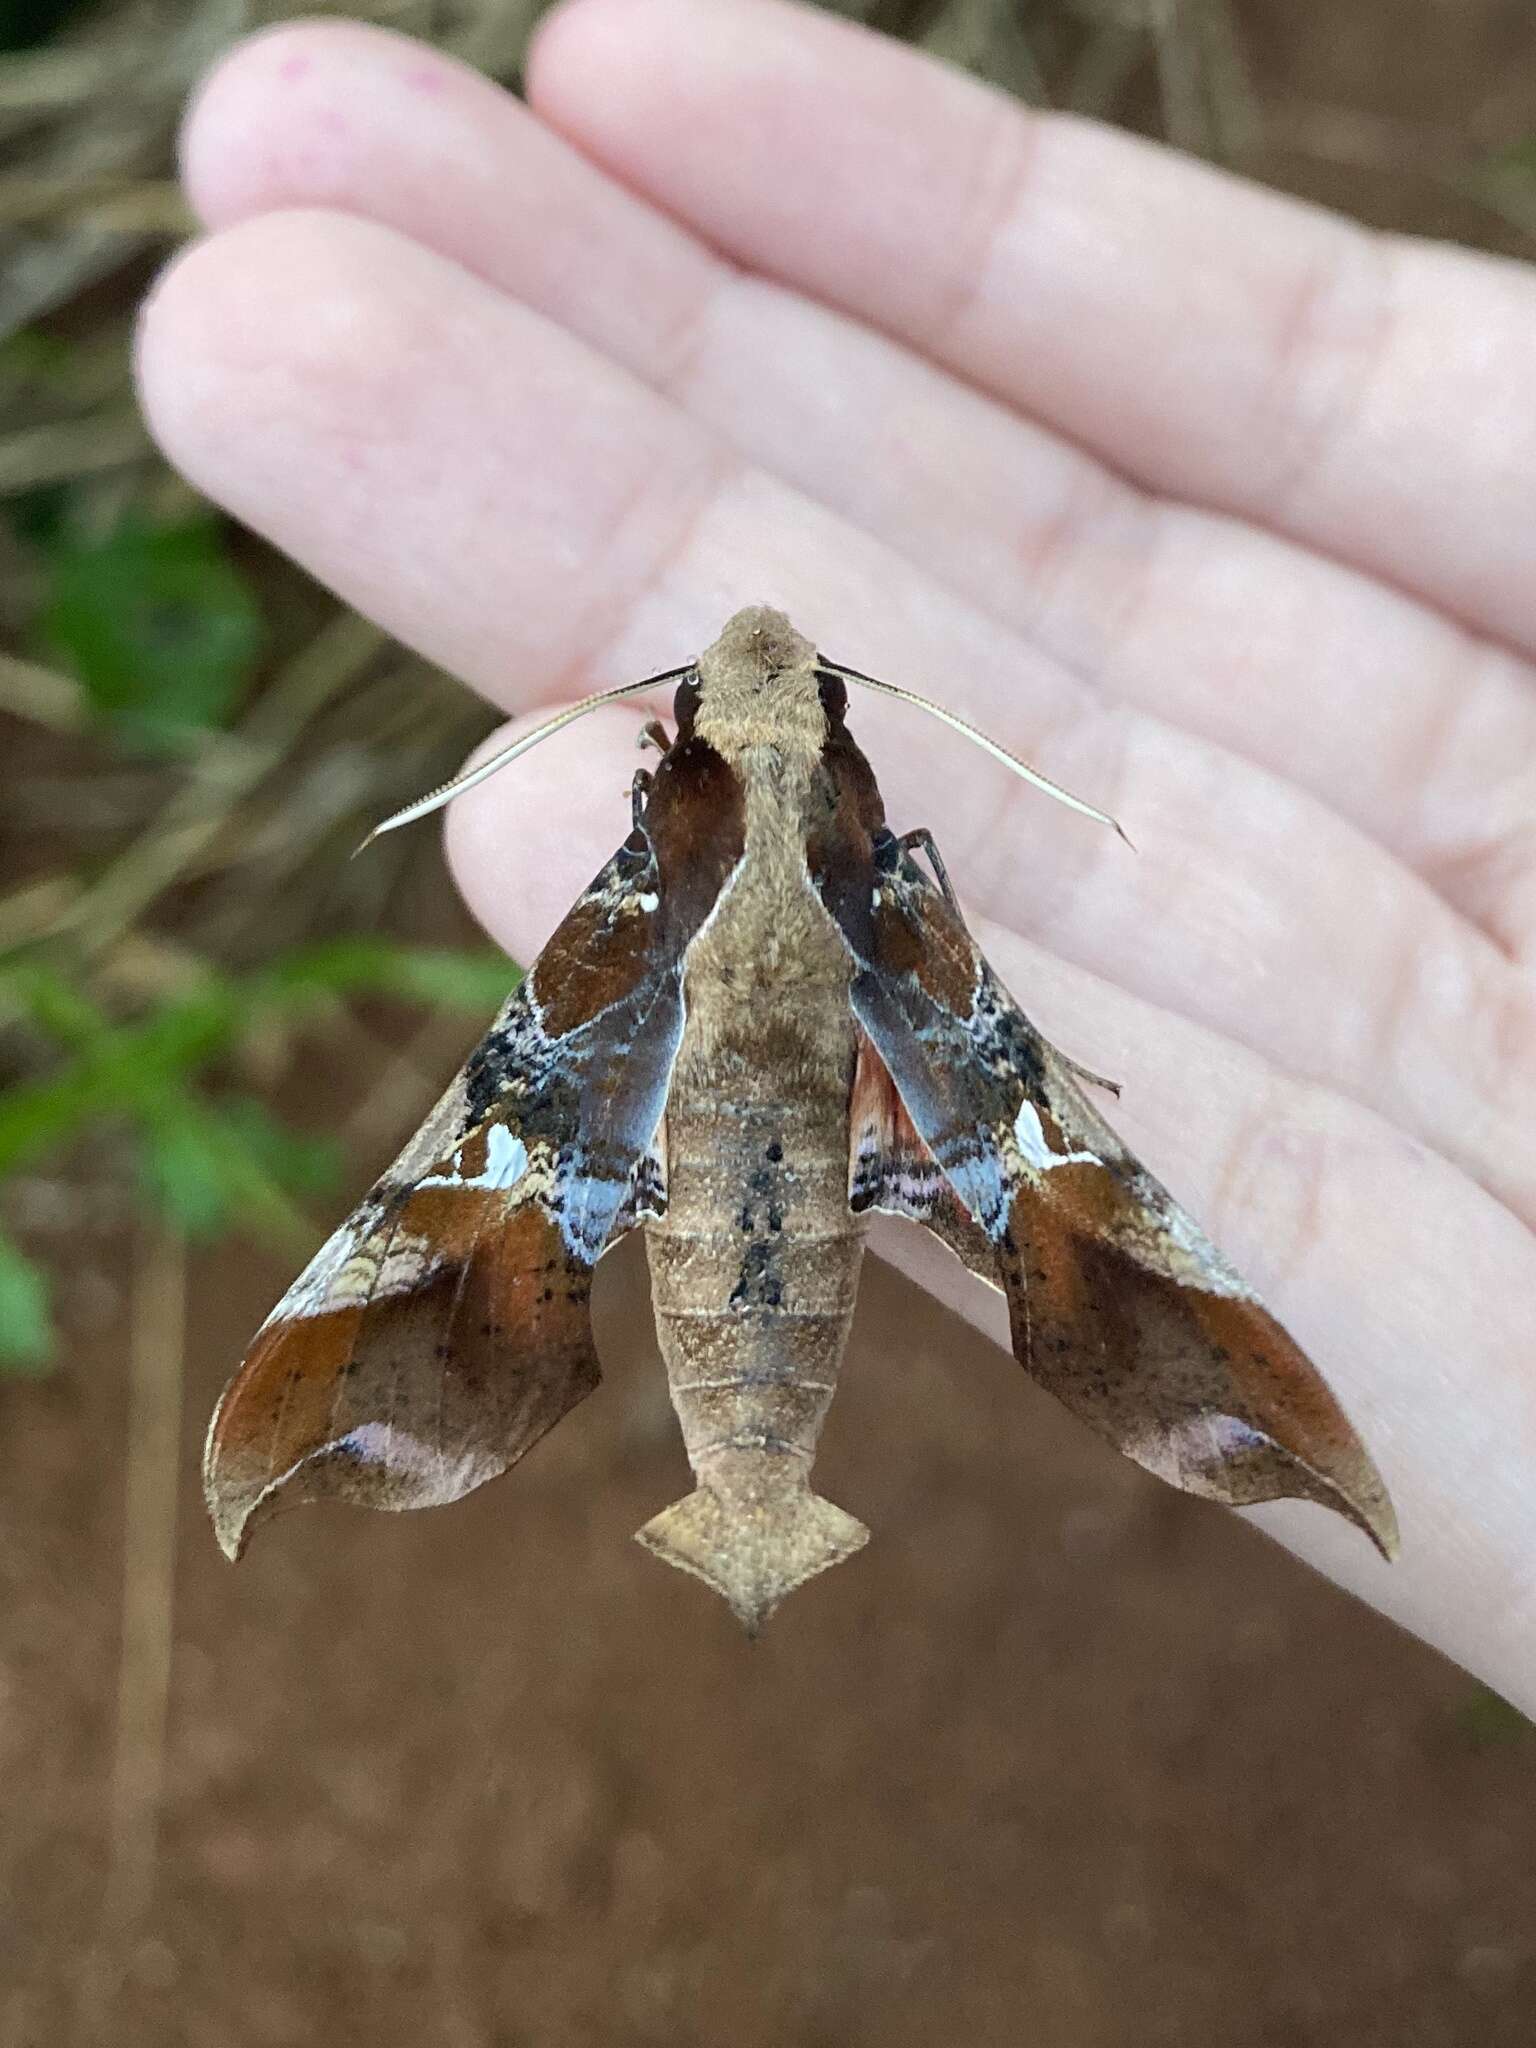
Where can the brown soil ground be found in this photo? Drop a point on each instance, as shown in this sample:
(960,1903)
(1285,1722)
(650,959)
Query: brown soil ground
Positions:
(1061,1759)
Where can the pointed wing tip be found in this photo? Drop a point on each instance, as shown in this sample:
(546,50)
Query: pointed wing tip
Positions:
(229,1513)
(1361,1500)
(231,1509)
(1388,1543)
(235,1503)
(1356,1490)
(231,1527)
(1373,1517)
(1379,1521)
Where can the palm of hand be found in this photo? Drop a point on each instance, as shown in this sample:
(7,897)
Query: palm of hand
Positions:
(1214,507)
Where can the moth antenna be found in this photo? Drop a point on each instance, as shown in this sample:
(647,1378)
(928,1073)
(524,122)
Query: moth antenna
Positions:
(434,800)
(988,746)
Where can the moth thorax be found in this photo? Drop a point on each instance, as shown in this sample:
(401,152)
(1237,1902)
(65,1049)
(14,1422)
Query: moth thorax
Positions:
(757,688)
(759,640)
(778,722)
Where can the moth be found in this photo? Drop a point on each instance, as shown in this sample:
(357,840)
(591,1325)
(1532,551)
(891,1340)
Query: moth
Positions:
(763,1021)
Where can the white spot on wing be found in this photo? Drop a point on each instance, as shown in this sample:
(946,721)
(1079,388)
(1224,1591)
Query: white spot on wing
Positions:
(506,1161)
(506,1158)
(1029,1134)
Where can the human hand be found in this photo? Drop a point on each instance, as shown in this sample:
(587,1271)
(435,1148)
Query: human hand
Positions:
(1212,505)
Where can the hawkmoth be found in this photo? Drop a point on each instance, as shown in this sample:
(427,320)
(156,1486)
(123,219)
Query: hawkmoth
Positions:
(762,1021)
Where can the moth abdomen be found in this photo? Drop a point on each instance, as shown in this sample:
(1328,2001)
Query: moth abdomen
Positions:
(754,1534)
(777,1407)
(754,1273)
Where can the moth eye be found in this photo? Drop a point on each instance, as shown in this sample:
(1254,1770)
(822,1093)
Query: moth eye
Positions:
(685,704)
(834,694)
(887,850)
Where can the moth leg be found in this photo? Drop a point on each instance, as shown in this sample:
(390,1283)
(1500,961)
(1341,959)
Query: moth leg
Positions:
(1086,1073)
(654,734)
(922,840)
(639,796)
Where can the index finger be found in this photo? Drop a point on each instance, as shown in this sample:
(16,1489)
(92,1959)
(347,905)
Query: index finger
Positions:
(1217,342)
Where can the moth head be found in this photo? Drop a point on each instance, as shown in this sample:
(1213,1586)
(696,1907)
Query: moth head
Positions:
(758,686)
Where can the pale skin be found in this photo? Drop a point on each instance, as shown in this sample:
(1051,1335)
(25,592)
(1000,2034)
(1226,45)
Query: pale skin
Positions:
(1214,507)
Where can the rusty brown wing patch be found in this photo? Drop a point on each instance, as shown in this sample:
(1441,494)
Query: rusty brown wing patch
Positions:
(444,1327)
(892,1170)
(1119,1305)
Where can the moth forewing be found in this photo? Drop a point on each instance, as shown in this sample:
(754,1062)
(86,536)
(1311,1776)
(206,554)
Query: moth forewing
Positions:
(759,1023)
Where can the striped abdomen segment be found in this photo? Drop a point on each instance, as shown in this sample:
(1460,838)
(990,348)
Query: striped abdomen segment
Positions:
(754,1272)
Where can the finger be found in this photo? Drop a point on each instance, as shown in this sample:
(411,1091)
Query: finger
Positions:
(1405,1283)
(454,467)
(1218,342)
(340,114)
(1395,716)
(471,476)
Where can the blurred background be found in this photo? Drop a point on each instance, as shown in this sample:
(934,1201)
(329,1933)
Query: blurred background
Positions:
(1063,1758)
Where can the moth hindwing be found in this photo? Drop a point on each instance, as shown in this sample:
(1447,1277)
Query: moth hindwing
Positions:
(761,1022)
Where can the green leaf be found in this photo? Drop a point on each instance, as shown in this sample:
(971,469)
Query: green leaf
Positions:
(209,1166)
(32,354)
(186,1169)
(455,978)
(37,1115)
(26,1330)
(299,1164)
(54,1004)
(158,625)
(39,515)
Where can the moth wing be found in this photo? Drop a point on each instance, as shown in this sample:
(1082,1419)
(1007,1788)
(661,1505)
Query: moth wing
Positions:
(444,1328)
(891,1170)
(1119,1304)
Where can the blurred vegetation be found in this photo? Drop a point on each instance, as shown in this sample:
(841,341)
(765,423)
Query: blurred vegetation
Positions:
(196,736)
